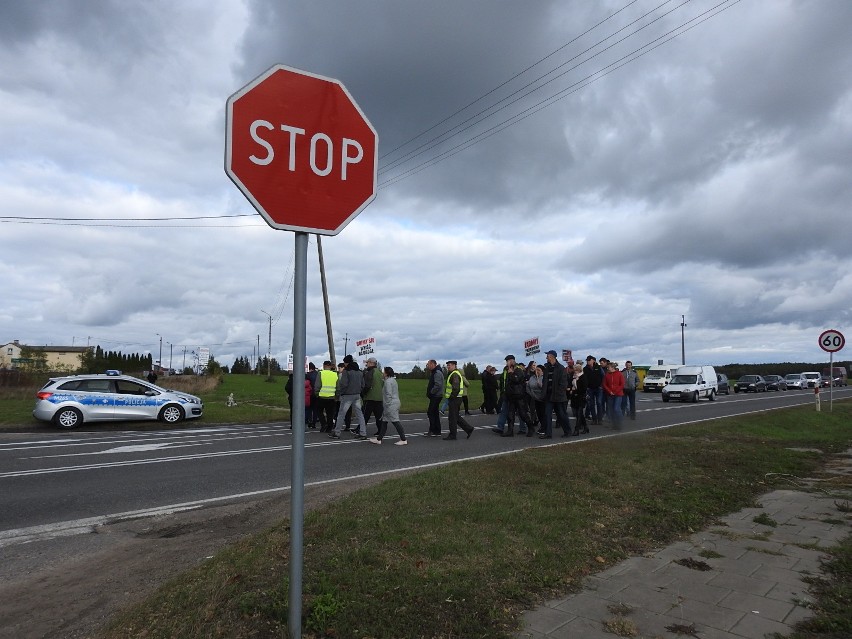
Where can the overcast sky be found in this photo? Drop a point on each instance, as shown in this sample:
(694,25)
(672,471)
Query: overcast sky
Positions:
(582,172)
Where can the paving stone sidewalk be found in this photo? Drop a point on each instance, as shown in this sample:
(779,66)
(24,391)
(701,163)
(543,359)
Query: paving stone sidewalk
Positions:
(753,588)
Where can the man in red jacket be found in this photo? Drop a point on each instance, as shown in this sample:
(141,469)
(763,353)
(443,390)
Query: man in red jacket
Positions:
(613,385)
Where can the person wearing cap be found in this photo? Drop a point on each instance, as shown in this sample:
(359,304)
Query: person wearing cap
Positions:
(514,389)
(555,397)
(435,392)
(593,395)
(326,389)
(454,389)
(603,405)
(371,392)
(489,391)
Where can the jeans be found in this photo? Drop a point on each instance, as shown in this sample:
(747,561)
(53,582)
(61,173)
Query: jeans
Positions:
(614,410)
(455,420)
(629,398)
(434,415)
(593,403)
(373,407)
(347,402)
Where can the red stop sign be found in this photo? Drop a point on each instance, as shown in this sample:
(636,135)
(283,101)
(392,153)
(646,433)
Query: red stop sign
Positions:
(301,151)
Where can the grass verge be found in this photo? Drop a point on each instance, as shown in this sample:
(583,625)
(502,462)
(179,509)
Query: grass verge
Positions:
(459,551)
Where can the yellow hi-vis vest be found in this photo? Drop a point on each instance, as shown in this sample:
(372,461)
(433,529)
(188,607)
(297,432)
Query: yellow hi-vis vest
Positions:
(329,383)
(448,386)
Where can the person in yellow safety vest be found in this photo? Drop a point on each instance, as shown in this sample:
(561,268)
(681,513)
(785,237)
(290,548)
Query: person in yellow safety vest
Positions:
(454,390)
(326,389)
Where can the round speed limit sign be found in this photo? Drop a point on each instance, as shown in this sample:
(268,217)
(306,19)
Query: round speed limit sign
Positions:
(831,341)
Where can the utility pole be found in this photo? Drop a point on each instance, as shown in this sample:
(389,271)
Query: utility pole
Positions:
(269,350)
(682,342)
(160,361)
(171,346)
(258,354)
(346,345)
(325,304)
(184,360)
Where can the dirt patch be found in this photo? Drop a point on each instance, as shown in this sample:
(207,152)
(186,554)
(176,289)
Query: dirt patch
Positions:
(69,587)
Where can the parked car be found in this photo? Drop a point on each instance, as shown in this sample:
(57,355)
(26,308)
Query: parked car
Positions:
(796,380)
(775,382)
(71,401)
(722,382)
(812,378)
(750,383)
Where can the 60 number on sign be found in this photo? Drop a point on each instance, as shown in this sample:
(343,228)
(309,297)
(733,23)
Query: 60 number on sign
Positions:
(832,341)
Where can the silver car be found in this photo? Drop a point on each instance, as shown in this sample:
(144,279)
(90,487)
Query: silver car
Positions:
(796,380)
(71,401)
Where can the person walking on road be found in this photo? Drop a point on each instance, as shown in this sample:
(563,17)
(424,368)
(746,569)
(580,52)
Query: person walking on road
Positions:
(350,397)
(371,392)
(631,382)
(613,384)
(454,389)
(435,393)
(390,405)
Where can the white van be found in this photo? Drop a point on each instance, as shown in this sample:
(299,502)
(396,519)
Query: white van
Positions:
(690,383)
(657,377)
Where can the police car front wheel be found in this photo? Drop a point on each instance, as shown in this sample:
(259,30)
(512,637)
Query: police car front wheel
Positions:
(171,414)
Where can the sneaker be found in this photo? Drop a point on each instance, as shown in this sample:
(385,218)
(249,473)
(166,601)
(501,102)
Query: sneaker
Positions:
(334,436)
(401,442)
(375,441)
(362,437)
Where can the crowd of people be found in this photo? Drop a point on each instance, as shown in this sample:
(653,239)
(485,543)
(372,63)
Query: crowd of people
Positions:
(346,399)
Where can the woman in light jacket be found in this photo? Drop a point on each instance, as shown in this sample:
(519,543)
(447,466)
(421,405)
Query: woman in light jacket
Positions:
(535,389)
(390,406)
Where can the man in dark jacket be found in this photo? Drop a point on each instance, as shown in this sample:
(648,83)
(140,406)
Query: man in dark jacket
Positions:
(350,396)
(555,397)
(594,394)
(435,393)
(515,391)
(489,391)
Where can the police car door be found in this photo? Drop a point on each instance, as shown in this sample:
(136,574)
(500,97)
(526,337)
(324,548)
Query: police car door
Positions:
(96,398)
(135,400)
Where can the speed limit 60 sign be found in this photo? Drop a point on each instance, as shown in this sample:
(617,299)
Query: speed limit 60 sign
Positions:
(832,341)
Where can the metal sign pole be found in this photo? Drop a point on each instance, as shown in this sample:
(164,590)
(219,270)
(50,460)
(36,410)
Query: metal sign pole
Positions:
(831,382)
(297,421)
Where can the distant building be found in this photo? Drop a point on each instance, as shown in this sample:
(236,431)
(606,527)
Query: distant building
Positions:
(9,352)
(56,358)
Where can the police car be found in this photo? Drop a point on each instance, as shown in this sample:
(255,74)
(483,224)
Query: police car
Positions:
(70,401)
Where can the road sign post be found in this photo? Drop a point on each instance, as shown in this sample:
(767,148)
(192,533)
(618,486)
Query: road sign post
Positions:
(831,341)
(300,149)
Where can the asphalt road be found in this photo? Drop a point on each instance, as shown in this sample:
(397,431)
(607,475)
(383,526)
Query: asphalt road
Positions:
(56,483)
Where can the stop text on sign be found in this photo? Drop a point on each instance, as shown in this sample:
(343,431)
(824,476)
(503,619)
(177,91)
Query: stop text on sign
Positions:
(320,156)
